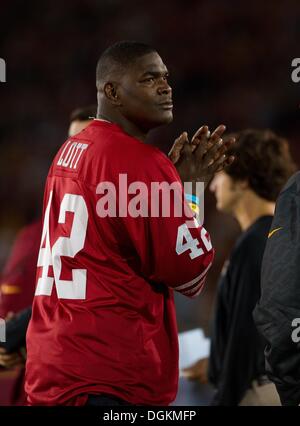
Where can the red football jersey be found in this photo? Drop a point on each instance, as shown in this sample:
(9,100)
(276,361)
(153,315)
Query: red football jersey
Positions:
(18,277)
(103,315)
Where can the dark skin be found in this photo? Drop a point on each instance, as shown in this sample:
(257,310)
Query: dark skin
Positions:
(199,159)
(140,99)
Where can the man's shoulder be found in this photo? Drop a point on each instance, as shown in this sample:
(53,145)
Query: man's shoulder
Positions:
(293,184)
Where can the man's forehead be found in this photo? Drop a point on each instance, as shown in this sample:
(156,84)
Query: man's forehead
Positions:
(150,62)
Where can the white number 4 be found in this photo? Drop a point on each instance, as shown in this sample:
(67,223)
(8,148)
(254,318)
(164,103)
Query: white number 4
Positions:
(191,243)
(64,246)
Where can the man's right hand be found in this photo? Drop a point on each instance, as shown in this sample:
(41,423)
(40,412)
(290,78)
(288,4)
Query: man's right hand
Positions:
(200,159)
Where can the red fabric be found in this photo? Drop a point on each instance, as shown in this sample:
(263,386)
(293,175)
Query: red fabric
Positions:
(18,276)
(16,293)
(120,337)
(12,387)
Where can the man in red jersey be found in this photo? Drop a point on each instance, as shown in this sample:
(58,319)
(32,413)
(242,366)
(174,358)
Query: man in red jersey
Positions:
(103,327)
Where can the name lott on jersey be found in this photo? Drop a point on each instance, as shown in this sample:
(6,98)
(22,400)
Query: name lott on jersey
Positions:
(71,154)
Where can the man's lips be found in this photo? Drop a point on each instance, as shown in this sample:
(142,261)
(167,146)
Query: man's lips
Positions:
(166,105)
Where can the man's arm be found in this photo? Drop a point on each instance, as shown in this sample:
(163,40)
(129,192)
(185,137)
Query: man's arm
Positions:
(174,250)
(280,299)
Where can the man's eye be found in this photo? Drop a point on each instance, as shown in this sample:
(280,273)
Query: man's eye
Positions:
(148,80)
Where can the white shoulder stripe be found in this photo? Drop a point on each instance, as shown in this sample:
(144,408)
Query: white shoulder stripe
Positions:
(195,289)
(194,281)
(198,292)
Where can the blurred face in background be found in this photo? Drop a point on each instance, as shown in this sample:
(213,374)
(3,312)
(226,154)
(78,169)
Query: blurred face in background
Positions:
(77,125)
(228,192)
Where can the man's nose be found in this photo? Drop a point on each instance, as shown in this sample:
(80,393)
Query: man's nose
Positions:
(164,89)
(212,186)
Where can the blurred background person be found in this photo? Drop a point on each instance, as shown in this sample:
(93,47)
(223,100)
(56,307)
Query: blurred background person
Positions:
(247,190)
(277,315)
(17,286)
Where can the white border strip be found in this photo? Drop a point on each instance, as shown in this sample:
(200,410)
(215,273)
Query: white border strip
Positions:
(192,282)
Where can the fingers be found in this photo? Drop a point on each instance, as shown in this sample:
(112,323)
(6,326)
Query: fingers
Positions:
(224,148)
(212,145)
(214,153)
(218,149)
(177,147)
(221,159)
(228,160)
(220,164)
(229,143)
(187,149)
(200,141)
(217,134)
(202,131)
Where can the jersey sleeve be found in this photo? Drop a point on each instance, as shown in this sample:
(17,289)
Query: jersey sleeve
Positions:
(173,250)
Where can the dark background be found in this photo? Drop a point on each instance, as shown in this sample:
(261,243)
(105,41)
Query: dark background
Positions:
(230,62)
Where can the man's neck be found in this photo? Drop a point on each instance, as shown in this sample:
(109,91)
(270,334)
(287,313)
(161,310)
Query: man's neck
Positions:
(251,208)
(128,127)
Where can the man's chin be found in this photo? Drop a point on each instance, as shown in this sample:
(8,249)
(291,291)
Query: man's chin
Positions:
(167,117)
(221,207)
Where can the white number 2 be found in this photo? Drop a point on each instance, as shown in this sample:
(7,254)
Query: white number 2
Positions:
(64,246)
(191,243)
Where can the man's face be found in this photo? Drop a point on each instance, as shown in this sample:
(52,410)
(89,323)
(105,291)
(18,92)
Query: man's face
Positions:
(144,92)
(227,192)
(77,125)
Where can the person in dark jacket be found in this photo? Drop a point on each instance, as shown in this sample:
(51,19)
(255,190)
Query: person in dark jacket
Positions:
(247,190)
(277,315)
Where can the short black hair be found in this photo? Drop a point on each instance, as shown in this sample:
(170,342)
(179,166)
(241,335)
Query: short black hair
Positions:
(83,113)
(263,159)
(119,56)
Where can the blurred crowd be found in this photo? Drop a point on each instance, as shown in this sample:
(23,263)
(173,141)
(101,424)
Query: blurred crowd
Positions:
(230,62)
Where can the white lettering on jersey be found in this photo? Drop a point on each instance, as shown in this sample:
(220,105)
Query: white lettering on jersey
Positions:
(71,154)
(64,246)
(185,241)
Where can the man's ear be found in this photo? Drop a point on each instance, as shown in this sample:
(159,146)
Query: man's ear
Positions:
(110,92)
